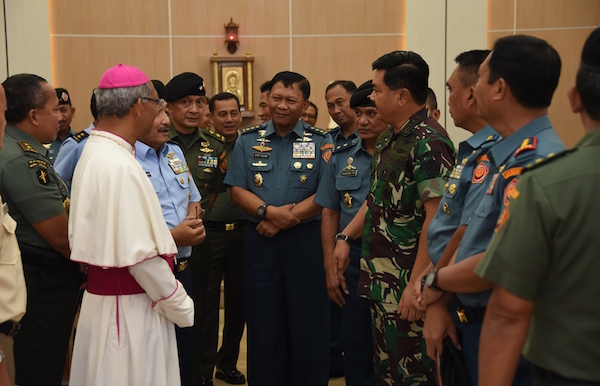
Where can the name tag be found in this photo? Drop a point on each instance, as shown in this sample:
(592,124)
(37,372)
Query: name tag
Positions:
(261,155)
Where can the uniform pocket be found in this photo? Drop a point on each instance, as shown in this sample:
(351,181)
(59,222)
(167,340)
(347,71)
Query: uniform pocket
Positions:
(303,176)
(260,174)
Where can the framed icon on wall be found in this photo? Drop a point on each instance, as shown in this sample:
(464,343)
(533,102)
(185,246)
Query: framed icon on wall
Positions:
(235,75)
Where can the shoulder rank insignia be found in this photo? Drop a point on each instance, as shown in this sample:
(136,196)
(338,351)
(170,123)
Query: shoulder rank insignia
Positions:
(250,129)
(27,147)
(80,136)
(316,130)
(216,135)
(545,161)
(527,144)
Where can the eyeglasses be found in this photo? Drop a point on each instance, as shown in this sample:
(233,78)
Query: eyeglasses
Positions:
(159,102)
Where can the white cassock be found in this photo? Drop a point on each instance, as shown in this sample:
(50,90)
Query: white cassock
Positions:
(116,222)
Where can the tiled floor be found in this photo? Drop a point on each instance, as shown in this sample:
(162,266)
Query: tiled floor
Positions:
(242,360)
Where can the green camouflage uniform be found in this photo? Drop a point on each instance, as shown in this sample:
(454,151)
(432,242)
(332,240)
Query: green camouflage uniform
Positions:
(408,168)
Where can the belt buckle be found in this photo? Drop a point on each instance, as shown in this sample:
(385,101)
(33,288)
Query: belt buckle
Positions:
(181,266)
(230,226)
(462,316)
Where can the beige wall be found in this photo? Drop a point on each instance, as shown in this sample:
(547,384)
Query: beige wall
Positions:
(323,40)
(563,23)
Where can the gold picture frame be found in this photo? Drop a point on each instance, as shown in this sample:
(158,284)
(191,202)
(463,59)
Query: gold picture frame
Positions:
(234,75)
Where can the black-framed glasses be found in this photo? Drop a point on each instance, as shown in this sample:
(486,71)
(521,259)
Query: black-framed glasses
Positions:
(159,102)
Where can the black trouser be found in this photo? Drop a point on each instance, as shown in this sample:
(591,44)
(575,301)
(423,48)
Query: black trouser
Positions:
(227,262)
(52,293)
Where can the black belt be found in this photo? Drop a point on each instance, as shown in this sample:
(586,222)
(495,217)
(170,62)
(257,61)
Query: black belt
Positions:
(470,314)
(10,328)
(224,225)
(181,264)
(550,376)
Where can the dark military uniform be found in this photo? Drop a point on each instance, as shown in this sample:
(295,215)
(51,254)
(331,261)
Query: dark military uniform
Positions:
(337,136)
(205,156)
(409,168)
(287,305)
(34,193)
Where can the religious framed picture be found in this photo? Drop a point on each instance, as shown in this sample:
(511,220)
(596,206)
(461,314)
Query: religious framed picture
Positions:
(234,75)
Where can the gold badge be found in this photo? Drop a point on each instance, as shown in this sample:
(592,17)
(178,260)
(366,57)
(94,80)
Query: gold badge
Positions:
(42,176)
(207,170)
(309,166)
(205,144)
(303,178)
(446,186)
(258,180)
(350,166)
(452,189)
(348,200)
(67,204)
(206,150)
(297,165)
(181,180)
(170,155)
(446,208)
(464,161)
(262,147)
(259,164)
(501,169)
(189,195)
(262,132)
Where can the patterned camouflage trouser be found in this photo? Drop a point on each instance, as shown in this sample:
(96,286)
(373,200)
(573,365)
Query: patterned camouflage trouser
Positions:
(400,352)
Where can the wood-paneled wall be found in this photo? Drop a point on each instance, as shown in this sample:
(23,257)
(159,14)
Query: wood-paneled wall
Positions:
(565,24)
(323,40)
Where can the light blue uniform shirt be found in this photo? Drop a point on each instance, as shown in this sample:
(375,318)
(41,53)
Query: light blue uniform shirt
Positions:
(172,183)
(69,154)
(534,141)
(462,192)
(55,146)
(345,184)
(338,137)
(286,169)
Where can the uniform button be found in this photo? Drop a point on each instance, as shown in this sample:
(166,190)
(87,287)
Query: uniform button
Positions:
(281,168)
(280,187)
(347,186)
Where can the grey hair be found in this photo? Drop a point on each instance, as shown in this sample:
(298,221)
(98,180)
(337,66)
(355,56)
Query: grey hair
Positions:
(118,101)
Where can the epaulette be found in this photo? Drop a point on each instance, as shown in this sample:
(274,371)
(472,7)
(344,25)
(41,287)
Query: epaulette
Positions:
(317,130)
(527,144)
(341,148)
(545,161)
(251,129)
(80,136)
(27,147)
(214,134)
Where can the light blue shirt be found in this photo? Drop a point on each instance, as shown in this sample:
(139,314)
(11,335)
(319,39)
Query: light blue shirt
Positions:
(172,183)
(285,169)
(345,184)
(69,154)
(462,192)
(534,141)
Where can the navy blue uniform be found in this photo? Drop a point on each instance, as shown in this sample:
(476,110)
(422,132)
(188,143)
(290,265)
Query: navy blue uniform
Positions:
(287,305)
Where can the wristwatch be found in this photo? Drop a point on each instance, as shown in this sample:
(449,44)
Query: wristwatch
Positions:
(346,238)
(262,210)
(431,279)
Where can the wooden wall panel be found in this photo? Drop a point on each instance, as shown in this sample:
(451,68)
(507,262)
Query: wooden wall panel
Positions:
(79,63)
(557,13)
(347,17)
(110,17)
(207,17)
(501,14)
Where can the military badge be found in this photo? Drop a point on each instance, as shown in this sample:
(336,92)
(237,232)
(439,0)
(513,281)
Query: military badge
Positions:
(303,150)
(349,170)
(297,165)
(464,161)
(479,174)
(446,208)
(456,171)
(207,170)
(258,180)
(223,164)
(178,166)
(37,163)
(309,166)
(208,161)
(259,164)
(348,200)
(490,188)
(205,144)
(67,204)
(262,147)
(512,172)
(510,191)
(446,186)
(527,144)
(27,147)
(452,189)
(42,176)
(303,178)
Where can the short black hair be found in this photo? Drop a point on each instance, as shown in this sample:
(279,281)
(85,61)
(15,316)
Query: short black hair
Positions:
(468,62)
(23,93)
(315,107)
(405,69)
(93,106)
(588,87)
(431,98)
(348,85)
(265,86)
(222,96)
(529,65)
(289,78)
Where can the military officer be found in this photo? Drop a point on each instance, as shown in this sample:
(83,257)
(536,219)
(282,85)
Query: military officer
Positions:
(342,192)
(544,259)
(38,200)
(67,111)
(205,156)
(337,96)
(71,149)
(519,115)
(274,175)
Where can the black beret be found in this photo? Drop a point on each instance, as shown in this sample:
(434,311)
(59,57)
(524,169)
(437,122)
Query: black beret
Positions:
(63,96)
(183,85)
(590,56)
(360,97)
(160,87)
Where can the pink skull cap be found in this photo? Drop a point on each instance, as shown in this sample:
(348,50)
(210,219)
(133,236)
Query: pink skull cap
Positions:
(122,76)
